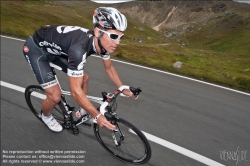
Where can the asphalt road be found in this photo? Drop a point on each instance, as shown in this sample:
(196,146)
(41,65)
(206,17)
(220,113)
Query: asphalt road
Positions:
(207,120)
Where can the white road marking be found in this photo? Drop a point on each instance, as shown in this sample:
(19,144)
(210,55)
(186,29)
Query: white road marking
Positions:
(182,150)
(148,68)
(21,89)
(39,95)
(150,137)
(11,86)
(12,38)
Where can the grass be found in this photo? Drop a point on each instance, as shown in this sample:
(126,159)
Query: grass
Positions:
(220,58)
(211,66)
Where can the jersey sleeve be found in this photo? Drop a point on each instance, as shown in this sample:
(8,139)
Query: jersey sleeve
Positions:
(76,60)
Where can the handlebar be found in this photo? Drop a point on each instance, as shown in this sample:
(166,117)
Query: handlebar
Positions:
(135,91)
(107,98)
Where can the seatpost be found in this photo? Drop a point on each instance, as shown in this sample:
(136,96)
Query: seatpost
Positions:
(53,70)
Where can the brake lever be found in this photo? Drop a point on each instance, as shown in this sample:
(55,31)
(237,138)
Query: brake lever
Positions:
(135,91)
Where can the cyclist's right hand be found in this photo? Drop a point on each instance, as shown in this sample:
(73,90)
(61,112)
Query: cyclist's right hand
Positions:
(102,122)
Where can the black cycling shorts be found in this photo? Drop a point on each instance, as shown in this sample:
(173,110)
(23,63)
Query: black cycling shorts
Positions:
(39,60)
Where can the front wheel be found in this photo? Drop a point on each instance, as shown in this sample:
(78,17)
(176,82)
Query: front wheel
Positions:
(127,143)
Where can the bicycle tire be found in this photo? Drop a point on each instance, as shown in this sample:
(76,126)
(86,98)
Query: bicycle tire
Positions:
(34,96)
(134,149)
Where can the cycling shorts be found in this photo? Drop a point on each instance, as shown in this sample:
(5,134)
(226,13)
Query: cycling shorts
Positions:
(39,60)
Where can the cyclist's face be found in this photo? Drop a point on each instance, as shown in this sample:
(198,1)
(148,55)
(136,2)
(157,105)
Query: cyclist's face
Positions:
(110,40)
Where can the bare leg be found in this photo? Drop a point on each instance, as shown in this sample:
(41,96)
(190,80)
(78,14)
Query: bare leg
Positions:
(53,97)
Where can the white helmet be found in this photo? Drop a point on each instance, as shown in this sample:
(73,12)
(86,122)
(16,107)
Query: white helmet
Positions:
(109,18)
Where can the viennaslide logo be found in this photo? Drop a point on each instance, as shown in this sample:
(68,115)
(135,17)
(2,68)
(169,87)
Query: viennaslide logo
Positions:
(237,155)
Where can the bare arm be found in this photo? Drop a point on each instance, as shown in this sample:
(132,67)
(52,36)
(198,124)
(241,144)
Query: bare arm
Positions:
(81,98)
(113,75)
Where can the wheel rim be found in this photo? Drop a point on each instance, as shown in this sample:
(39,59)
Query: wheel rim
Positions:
(132,149)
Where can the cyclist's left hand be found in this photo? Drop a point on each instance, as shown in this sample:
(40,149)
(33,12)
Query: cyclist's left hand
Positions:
(127,93)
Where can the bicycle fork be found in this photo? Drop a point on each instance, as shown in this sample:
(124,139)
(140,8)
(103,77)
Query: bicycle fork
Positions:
(113,134)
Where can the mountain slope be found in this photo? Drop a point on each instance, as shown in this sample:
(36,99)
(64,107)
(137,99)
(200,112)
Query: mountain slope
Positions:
(216,25)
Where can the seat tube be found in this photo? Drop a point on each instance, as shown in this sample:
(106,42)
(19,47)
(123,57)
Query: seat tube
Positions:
(58,83)
(54,72)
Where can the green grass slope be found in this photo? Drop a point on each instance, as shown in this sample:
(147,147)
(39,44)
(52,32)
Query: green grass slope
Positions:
(209,57)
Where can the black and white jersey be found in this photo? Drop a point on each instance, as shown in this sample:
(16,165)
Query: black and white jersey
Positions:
(73,43)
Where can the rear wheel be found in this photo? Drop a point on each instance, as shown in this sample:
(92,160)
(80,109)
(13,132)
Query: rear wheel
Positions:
(127,143)
(34,96)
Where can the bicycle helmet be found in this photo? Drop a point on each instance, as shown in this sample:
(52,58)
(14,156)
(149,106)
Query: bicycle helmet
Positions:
(109,18)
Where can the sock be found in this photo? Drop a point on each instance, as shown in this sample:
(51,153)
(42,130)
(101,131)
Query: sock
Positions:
(46,119)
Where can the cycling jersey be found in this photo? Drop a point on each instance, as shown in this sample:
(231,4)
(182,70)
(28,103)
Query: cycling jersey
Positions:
(65,46)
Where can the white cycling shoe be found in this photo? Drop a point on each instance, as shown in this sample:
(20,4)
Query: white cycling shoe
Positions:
(51,122)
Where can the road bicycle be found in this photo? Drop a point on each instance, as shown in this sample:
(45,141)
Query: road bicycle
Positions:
(127,143)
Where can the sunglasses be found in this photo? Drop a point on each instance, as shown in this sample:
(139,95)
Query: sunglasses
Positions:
(113,36)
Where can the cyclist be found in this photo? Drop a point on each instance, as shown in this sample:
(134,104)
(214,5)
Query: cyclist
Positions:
(68,47)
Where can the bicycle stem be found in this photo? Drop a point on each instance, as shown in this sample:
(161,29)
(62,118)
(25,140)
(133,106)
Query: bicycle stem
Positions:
(103,106)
